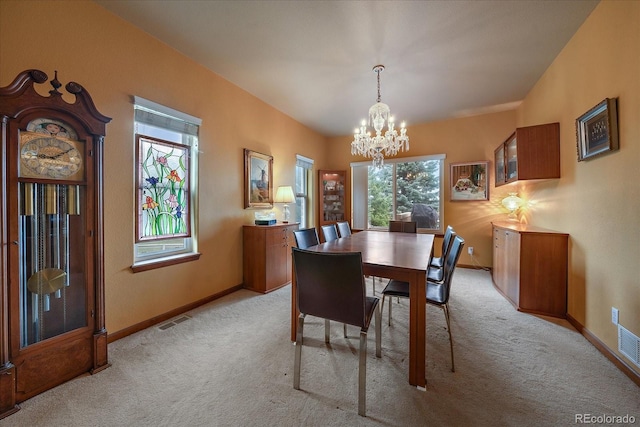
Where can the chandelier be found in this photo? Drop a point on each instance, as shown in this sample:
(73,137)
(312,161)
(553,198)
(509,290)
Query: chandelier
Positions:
(389,143)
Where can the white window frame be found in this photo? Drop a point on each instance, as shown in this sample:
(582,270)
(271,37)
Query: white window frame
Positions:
(360,191)
(304,212)
(166,123)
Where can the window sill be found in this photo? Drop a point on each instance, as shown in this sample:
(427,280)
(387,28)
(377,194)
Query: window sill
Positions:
(164,262)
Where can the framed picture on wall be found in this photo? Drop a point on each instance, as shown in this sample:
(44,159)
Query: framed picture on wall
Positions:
(469,181)
(258,180)
(597,130)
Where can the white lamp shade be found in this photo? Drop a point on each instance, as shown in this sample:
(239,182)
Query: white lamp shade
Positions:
(285,194)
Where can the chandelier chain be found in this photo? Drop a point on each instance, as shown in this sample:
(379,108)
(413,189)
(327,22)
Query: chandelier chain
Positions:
(378,70)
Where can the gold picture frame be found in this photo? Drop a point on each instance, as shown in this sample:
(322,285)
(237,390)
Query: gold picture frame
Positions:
(597,130)
(258,180)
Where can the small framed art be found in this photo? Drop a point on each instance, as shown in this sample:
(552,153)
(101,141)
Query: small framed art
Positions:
(469,181)
(597,130)
(258,180)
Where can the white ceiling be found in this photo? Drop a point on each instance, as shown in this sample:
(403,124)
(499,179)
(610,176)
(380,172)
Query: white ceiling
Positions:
(313,60)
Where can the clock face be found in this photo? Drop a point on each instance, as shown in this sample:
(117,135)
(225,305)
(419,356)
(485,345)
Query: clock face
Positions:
(51,157)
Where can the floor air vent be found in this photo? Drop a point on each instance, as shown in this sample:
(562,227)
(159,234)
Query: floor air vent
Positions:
(629,345)
(174,322)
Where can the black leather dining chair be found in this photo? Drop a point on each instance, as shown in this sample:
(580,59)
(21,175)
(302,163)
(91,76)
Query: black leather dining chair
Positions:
(344,228)
(437,292)
(331,286)
(309,237)
(403,226)
(438,262)
(306,237)
(329,232)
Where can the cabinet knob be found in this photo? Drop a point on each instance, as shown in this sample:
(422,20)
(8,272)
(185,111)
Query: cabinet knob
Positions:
(15,242)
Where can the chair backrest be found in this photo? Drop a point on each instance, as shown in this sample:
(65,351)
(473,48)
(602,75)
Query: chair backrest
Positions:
(330,285)
(449,267)
(447,241)
(330,232)
(344,228)
(306,237)
(403,226)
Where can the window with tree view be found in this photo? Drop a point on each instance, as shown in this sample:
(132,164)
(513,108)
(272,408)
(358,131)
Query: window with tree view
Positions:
(402,190)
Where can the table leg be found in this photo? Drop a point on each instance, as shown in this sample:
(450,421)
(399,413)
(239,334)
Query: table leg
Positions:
(417,330)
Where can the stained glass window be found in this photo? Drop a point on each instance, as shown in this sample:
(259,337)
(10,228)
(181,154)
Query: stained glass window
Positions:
(163,189)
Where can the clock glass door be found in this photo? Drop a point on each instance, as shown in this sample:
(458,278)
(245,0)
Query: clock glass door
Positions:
(52,275)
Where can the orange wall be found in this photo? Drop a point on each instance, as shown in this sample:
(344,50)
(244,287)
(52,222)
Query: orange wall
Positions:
(114,61)
(596,201)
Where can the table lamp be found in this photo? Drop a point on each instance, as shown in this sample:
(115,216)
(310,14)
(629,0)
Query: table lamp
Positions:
(285,195)
(512,203)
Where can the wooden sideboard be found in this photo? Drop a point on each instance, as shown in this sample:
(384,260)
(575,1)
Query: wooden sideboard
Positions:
(530,267)
(266,249)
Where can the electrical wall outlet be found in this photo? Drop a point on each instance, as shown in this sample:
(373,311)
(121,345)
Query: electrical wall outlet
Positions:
(614,315)
(470,250)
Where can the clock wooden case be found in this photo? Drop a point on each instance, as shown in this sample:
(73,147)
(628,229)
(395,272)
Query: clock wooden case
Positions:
(52,320)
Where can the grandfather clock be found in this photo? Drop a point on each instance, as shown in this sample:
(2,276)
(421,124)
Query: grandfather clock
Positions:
(52,323)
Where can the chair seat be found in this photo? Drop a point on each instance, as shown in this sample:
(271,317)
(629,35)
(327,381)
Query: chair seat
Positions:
(436,262)
(398,288)
(435,274)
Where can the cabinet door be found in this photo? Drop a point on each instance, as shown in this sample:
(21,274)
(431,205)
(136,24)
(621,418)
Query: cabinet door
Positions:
(539,151)
(498,261)
(511,250)
(289,243)
(276,254)
(499,164)
(511,155)
(332,190)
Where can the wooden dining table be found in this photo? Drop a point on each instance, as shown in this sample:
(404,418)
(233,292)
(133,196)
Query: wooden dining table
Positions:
(400,256)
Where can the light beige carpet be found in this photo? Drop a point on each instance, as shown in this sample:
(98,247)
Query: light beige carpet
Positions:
(231,364)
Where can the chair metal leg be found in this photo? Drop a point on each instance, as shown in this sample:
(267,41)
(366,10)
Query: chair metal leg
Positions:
(373,286)
(298,353)
(378,315)
(446,316)
(345,329)
(382,304)
(362,375)
(390,305)
(327,330)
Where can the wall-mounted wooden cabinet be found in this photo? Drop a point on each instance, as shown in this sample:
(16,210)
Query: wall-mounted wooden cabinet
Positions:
(530,267)
(531,152)
(266,251)
(331,191)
